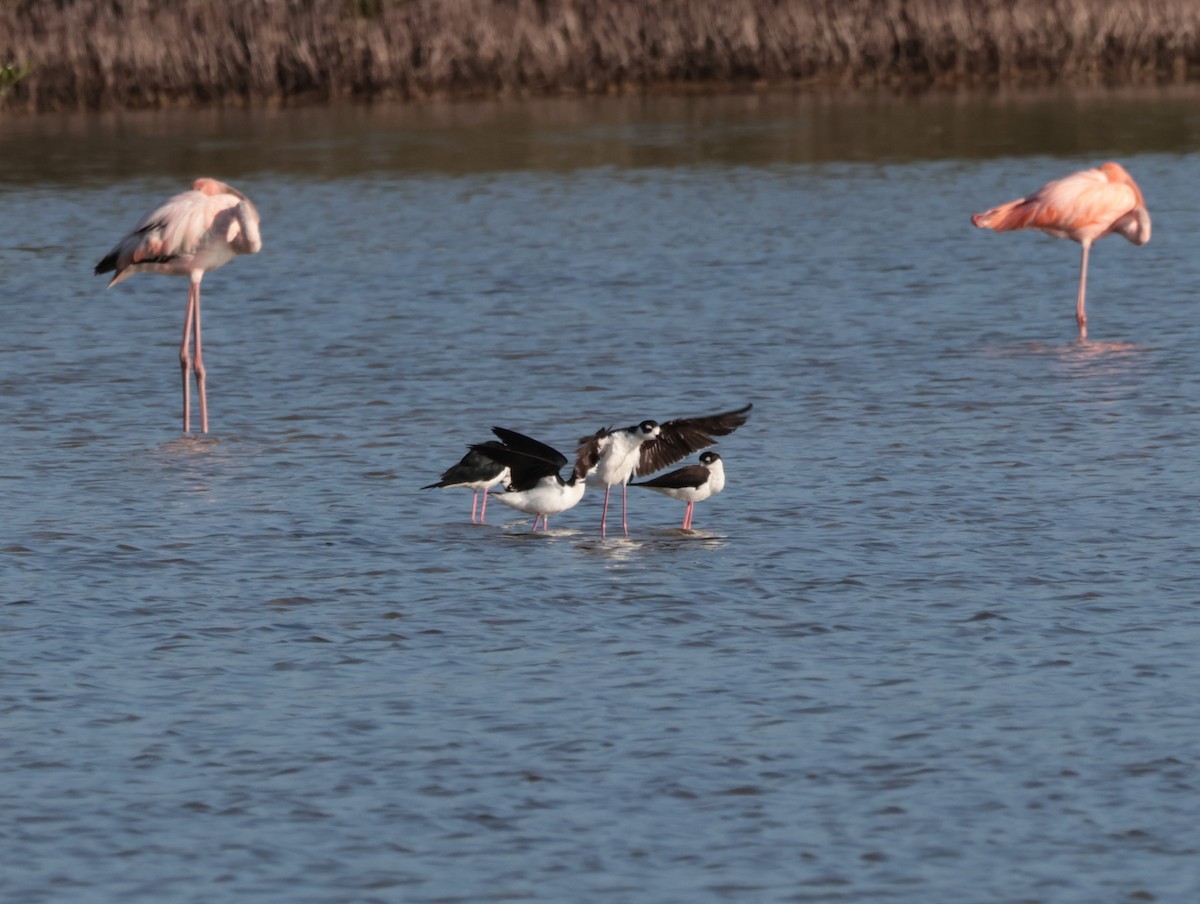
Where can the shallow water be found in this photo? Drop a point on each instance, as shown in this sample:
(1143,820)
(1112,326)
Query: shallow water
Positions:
(935,641)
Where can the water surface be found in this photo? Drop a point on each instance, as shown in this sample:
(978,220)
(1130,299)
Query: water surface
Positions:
(935,642)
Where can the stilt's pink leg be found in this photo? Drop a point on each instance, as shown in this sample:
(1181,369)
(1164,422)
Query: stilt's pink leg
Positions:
(687,517)
(185,356)
(474,502)
(483,511)
(198,364)
(604,512)
(1080,302)
(624,514)
(536,519)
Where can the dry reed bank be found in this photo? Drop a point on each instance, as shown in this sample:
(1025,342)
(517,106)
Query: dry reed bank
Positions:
(137,53)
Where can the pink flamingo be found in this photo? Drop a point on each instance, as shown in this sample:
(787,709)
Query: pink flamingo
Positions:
(188,235)
(1084,206)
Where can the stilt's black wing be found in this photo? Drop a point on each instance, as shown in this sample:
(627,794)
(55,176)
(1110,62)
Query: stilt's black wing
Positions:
(691,476)
(475,466)
(527,459)
(683,436)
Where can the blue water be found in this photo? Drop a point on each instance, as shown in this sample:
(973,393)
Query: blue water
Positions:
(936,641)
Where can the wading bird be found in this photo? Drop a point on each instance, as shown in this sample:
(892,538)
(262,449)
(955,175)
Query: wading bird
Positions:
(476,471)
(610,457)
(536,486)
(1084,207)
(188,235)
(692,484)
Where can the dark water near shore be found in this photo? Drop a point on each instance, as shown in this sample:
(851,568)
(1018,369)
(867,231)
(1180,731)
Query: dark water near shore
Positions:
(936,641)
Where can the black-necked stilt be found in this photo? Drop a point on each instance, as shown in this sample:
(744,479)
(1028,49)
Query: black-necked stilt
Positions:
(692,484)
(476,471)
(609,457)
(536,485)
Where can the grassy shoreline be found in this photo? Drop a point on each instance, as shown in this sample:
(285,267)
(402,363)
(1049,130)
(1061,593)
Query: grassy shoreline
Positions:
(107,54)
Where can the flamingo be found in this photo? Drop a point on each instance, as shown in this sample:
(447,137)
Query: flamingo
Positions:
(1084,207)
(188,235)
(690,484)
(610,457)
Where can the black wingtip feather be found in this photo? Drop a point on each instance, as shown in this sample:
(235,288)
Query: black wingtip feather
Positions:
(529,447)
(106,265)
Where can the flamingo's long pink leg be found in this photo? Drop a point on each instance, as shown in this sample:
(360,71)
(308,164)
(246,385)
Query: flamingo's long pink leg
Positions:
(198,364)
(185,356)
(1080,302)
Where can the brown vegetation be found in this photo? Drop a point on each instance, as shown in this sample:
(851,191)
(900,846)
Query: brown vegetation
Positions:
(138,53)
